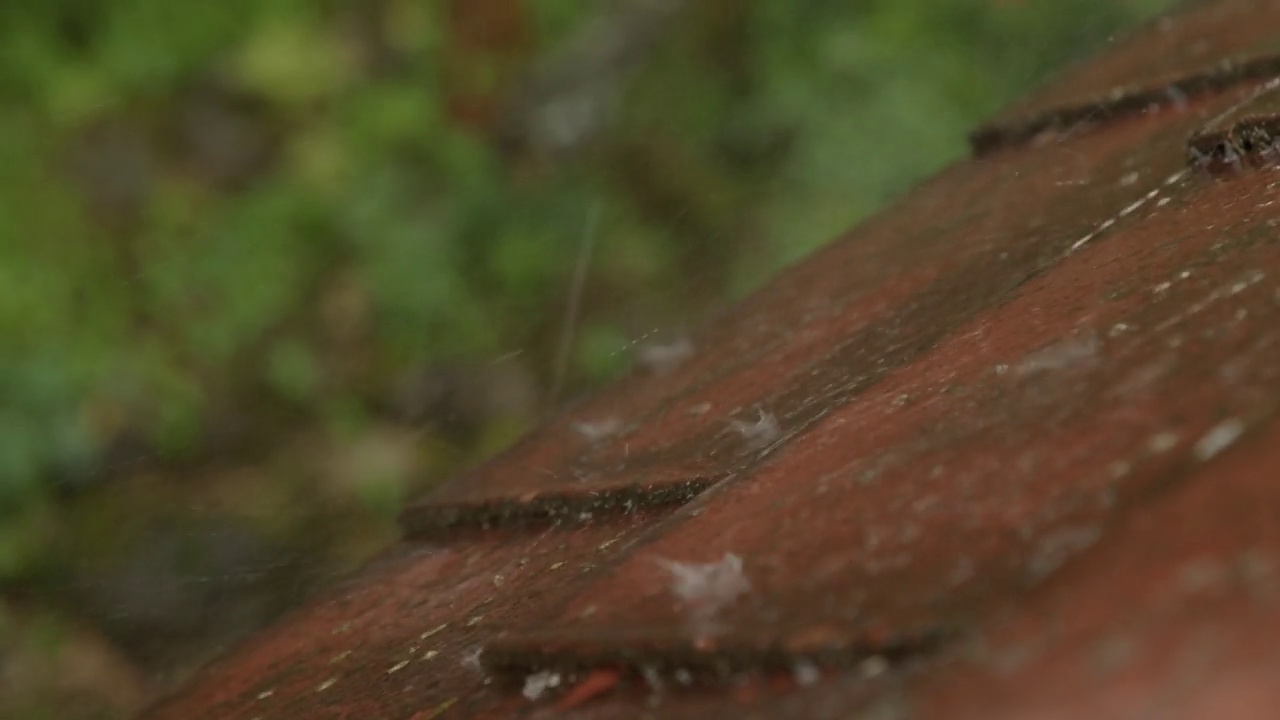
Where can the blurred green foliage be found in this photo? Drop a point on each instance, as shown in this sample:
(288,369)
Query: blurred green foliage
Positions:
(271,211)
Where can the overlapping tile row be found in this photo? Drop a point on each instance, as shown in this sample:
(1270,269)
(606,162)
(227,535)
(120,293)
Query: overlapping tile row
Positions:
(1042,406)
(637,435)
(1172,615)
(806,344)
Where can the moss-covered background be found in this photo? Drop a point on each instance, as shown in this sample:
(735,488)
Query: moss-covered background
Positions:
(270,267)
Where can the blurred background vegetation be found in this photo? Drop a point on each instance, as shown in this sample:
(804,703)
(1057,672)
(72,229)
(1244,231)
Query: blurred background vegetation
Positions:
(270,267)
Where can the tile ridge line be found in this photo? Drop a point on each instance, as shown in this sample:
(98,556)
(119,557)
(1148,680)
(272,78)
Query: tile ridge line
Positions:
(1122,102)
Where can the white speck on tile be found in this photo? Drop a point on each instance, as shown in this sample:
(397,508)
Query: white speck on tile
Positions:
(397,667)
(1065,354)
(761,433)
(430,654)
(433,631)
(652,678)
(1056,548)
(1129,179)
(471,658)
(874,666)
(662,358)
(805,673)
(1128,209)
(1221,437)
(326,684)
(266,694)
(598,430)
(1162,442)
(538,683)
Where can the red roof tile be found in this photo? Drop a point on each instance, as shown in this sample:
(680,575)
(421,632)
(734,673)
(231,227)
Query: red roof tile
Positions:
(1008,449)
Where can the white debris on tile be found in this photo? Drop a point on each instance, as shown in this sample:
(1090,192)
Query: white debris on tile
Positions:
(707,588)
(433,631)
(652,678)
(326,684)
(761,433)
(1162,442)
(662,358)
(595,431)
(701,408)
(538,683)
(1221,437)
(471,658)
(397,667)
(430,654)
(266,694)
(805,673)
(1056,548)
(874,666)
(1067,354)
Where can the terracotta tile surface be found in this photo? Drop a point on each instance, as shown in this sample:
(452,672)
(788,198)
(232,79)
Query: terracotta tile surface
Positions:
(1006,450)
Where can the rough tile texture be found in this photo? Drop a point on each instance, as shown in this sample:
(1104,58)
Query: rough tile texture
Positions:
(1006,450)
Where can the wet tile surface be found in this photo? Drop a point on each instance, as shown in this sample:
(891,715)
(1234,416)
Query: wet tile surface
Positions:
(1007,449)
